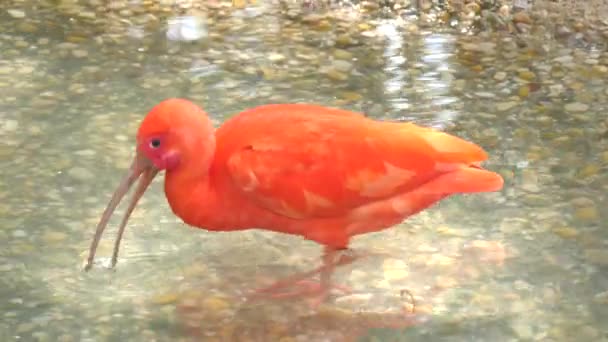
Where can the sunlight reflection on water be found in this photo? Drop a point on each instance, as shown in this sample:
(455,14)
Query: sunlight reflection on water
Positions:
(436,53)
(394,67)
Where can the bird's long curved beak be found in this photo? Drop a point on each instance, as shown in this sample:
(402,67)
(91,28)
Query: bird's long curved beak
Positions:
(140,168)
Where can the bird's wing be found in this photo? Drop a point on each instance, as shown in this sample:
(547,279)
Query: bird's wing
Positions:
(319,166)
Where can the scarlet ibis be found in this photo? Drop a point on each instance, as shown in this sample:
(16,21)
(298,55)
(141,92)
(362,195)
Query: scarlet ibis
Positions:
(322,173)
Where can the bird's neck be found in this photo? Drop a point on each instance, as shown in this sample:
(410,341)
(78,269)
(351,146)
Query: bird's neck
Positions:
(199,202)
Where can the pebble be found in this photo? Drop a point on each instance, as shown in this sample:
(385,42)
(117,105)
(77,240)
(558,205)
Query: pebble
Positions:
(522,17)
(448,231)
(27,27)
(484,300)
(85,153)
(287,339)
(566,232)
(276,57)
(601,298)
(576,107)
(121,137)
(25,327)
(342,54)
(524,91)
(19,233)
(486,47)
(6,267)
(588,170)
(342,65)
(589,333)
(80,53)
(556,90)
(591,61)
(597,256)
(527,75)
(164,299)
(582,202)
(500,76)
(87,15)
(486,251)
(505,106)
(355,300)
(523,329)
(215,304)
(77,88)
(564,59)
(485,95)
(587,214)
(529,181)
(80,173)
(473,7)
(27,69)
(10,125)
(21,44)
(351,96)
(439,260)
(336,75)
(323,25)
(54,236)
(345,40)
(16,13)
(395,269)
(443,282)
(562,31)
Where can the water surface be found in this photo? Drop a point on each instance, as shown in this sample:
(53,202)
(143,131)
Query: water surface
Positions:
(527,263)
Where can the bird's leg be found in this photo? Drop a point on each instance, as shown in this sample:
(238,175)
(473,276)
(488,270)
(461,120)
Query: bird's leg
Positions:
(300,285)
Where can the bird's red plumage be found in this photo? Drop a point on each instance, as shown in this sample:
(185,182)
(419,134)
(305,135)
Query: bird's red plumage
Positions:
(322,173)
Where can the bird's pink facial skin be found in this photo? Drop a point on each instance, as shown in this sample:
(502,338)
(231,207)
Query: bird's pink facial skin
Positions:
(157,149)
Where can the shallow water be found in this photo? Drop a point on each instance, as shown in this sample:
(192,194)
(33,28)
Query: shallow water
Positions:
(528,263)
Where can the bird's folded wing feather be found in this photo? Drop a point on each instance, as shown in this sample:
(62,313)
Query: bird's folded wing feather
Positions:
(321,167)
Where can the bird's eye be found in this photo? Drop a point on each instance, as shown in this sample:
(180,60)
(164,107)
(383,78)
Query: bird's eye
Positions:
(155,143)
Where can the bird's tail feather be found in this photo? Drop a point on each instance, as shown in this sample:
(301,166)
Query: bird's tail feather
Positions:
(466,179)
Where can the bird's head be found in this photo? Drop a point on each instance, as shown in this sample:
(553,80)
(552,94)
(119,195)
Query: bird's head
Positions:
(173,132)
(175,135)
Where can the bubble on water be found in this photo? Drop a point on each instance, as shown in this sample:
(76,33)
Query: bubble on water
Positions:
(104,262)
(187,28)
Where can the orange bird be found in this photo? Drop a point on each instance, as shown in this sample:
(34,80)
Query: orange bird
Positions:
(321,173)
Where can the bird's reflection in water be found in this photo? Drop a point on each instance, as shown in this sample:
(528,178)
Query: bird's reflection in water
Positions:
(251,322)
(232,316)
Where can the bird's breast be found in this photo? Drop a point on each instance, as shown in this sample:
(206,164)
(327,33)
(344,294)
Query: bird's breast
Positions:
(214,205)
